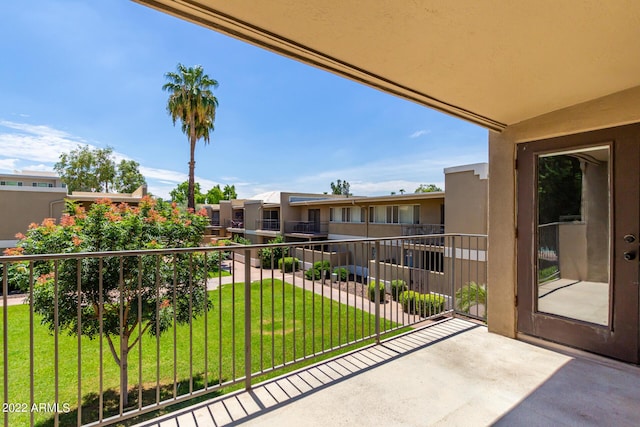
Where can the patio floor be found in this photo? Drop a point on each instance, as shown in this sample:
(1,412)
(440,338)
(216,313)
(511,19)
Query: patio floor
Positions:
(452,373)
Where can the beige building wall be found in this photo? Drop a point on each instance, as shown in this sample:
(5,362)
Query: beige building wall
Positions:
(613,110)
(466,199)
(225,212)
(20,206)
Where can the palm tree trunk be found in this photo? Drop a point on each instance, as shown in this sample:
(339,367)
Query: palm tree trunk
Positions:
(191,203)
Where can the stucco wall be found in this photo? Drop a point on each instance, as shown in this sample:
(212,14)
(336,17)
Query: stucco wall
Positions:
(466,202)
(20,208)
(252,212)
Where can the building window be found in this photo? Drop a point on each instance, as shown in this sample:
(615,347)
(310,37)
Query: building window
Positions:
(424,260)
(11,183)
(378,214)
(346,214)
(395,214)
(340,215)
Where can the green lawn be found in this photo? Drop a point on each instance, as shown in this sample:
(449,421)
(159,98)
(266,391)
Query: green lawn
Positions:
(279,334)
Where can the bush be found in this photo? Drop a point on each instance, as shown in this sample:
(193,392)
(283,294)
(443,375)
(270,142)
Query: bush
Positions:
(17,276)
(397,287)
(422,304)
(430,304)
(289,263)
(241,240)
(322,265)
(470,295)
(320,270)
(269,255)
(312,274)
(343,273)
(372,291)
(408,301)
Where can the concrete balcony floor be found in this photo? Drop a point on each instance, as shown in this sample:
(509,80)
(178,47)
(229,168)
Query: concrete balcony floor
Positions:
(451,373)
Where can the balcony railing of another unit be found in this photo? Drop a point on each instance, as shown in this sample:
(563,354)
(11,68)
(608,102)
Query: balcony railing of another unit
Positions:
(234,223)
(422,229)
(306,227)
(183,323)
(268,224)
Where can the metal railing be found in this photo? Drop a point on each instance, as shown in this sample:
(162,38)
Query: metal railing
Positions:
(422,229)
(548,252)
(268,224)
(234,223)
(306,227)
(169,325)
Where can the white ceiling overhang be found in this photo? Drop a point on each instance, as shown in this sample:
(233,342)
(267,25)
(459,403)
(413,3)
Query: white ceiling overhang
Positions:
(494,63)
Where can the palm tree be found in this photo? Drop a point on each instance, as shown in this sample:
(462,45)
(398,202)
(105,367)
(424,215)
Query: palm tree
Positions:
(191,100)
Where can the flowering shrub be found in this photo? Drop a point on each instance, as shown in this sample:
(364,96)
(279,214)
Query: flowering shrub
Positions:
(167,286)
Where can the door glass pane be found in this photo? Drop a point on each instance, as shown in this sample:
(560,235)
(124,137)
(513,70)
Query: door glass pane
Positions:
(573,239)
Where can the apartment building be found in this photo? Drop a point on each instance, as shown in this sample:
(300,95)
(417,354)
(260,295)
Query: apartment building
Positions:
(299,217)
(31,196)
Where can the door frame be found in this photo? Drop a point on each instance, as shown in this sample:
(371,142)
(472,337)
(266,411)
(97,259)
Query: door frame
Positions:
(620,338)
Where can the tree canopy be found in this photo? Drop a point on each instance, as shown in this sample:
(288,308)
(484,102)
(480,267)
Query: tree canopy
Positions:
(167,287)
(428,188)
(191,101)
(559,188)
(213,196)
(95,170)
(341,187)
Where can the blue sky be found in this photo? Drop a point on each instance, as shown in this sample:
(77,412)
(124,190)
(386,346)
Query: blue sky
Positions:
(91,72)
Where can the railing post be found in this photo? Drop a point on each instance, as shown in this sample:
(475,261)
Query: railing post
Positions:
(5,336)
(453,275)
(247,319)
(376,289)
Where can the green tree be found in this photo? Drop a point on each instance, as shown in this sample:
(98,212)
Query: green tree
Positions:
(559,188)
(95,170)
(112,287)
(180,194)
(230,192)
(86,169)
(191,101)
(214,195)
(430,188)
(128,177)
(341,187)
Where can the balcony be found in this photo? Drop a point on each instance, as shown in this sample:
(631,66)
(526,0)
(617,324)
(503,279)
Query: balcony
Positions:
(306,229)
(268,227)
(395,353)
(420,229)
(235,225)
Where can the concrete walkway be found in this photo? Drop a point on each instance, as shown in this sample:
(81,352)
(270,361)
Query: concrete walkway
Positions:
(453,373)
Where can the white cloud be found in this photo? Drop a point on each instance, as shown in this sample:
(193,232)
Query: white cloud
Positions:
(36,147)
(8,164)
(419,133)
(40,167)
(39,143)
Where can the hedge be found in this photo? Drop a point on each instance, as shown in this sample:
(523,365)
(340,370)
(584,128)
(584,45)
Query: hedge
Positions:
(423,304)
(372,291)
(290,264)
(397,287)
(343,273)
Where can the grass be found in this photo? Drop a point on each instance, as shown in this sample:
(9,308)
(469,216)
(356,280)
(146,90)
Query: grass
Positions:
(285,326)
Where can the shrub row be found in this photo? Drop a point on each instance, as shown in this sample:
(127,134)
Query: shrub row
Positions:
(322,270)
(289,263)
(397,287)
(372,291)
(421,304)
